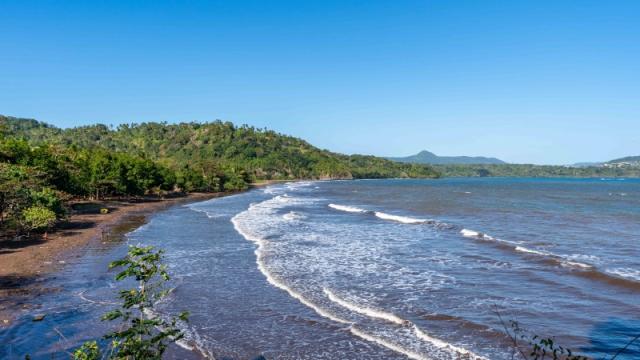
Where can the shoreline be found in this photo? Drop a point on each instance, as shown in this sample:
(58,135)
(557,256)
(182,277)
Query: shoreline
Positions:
(26,264)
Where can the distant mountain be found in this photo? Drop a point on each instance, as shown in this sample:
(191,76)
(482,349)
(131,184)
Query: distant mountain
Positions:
(426,157)
(629,159)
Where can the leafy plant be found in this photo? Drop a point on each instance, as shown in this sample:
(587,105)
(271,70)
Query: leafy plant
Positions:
(38,218)
(538,348)
(88,351)
(142,334)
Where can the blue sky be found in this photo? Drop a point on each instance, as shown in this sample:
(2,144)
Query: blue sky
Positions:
(526,81)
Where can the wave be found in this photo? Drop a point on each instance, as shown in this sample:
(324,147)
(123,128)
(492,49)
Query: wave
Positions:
(627,273)
(269,207)
(475,234)
(389,345)
(393,318)
(563,260)
(272,279)
(380,215)
(347,208)
(373,313)
(401,219)
(531,251)
(623,277)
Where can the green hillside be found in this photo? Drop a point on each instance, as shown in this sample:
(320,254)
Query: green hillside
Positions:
(41,166)
(217,150)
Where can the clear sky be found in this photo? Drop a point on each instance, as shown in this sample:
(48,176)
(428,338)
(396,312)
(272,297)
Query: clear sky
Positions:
(526,81)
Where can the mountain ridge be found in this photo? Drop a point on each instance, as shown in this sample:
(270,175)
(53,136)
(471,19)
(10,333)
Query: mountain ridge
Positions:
(427,157)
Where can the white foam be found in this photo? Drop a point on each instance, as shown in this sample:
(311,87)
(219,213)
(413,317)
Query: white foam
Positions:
(254,224)
(628,273)
(365,310)
(270,190)
(565,260)
(387,316)
(402,219)
(389,345)
(444,345)
(293,216)
(475,234)
(562,258)
(346,208)
(576,264)
(531,251)
(261,243)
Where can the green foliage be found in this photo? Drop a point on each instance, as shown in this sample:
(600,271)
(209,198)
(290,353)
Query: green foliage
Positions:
(212,156)
(49,199)
(88,351)
(142,334)
(25,204)
(533,347)
(37,218)
(41,165)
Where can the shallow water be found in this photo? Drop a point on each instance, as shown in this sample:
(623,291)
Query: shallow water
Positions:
(381,269)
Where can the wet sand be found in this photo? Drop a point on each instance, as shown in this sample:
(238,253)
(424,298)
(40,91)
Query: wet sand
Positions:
(24,263)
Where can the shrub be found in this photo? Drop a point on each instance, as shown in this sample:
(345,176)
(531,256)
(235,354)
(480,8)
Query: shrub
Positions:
(142,334)
(37,218)
(88,351)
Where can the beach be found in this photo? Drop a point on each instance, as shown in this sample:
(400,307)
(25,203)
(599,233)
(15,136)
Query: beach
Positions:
(25,263)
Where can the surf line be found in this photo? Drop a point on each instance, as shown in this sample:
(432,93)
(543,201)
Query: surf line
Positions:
(373,313)
(389,345)
(274,281)
(560,259)
(261,243)
(380,215)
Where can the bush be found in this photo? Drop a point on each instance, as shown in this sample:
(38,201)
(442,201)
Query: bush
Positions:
(141,334)
(88,351)
(49,199)
(38,218)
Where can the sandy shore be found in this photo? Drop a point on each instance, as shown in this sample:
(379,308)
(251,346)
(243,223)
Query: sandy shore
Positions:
(24,263)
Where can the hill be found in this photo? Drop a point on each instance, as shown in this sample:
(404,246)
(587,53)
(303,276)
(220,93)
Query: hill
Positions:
(216,150)
(628,160)
(426,157)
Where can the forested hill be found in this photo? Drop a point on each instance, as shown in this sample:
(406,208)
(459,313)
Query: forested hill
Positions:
(217,150)
(426,157)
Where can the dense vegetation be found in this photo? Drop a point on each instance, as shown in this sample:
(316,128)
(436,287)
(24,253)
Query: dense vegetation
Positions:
(525,170)
(41,166)
(220,152)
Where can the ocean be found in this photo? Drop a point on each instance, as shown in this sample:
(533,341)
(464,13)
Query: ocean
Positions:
(381,269)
